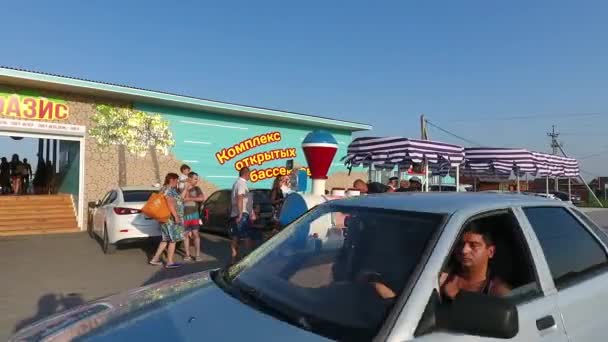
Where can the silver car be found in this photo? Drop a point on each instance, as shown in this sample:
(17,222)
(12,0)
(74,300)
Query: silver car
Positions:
(369,269)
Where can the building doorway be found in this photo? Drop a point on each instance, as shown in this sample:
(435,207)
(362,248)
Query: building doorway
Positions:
(50,165)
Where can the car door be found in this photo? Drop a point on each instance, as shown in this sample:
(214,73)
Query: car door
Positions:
(223,208)
(538,314)
(210,210)
(101,212)
(95,214)
(577,256)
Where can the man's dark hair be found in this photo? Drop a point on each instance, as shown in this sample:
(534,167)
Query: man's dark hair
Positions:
(477,228)
(243,171)
(184,167)
(192,174)
(358,181)
(393,179)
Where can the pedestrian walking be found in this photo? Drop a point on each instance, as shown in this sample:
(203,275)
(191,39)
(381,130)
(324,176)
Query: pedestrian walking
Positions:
(16,174)
(280,188)
(239,217)
(27,175)
(193,197)
(5,176)
(172,231)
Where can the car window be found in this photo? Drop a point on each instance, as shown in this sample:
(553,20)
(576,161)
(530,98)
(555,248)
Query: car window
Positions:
(224,198)
(325,268)
(111,197)
(214,197)
(105,198)
(512,262)
(136,195)
(599,232)
(561,237)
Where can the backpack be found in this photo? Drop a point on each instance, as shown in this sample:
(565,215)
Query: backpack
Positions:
(157,208)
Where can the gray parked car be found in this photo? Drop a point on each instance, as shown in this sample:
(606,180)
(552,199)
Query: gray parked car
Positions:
(369,269)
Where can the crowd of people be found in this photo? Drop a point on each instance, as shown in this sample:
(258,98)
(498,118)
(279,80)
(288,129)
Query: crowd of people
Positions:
(17,178)
(184,198)
(394,185)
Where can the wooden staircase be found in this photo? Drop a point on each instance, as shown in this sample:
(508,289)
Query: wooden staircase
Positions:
(37,214)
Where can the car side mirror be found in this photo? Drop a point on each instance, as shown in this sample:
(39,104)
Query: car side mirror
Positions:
(479,314)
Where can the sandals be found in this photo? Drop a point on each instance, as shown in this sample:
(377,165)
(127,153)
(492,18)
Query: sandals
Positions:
(155,263)
(173,265)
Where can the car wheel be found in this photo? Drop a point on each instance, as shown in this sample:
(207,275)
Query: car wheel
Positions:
(108,248)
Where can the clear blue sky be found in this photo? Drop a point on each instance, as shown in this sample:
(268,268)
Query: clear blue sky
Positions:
(473,67)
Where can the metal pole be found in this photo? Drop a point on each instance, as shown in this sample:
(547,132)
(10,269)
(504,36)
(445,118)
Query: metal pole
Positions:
(48,150)
(556,184)
(517,182)
(457,178)
(583,180)
(440,181)
(547,183)
(569,190)
(426,174)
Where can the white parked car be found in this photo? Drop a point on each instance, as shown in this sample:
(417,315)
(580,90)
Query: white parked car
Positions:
(380,279)
(117,218)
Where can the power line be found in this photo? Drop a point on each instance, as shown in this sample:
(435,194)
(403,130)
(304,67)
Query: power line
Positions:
(529,117)
(453,134)
(593,155)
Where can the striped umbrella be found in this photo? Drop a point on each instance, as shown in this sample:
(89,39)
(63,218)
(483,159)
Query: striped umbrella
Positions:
(389,152)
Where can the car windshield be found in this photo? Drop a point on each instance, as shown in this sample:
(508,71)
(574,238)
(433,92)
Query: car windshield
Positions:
(137,195)
(320,271)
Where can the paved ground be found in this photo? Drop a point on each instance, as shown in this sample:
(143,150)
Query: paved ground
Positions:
(46,274)
(42,275)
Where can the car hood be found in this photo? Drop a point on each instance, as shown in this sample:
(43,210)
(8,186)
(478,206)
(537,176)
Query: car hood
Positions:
(186,308)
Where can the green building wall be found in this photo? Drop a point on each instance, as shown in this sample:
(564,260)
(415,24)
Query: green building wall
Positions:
(200,135)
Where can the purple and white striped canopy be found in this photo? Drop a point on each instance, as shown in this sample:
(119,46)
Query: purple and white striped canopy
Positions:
(498,161)
(389,152)
(556,166)
(502,161)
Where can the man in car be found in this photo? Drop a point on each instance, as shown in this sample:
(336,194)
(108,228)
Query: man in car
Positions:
(473,271)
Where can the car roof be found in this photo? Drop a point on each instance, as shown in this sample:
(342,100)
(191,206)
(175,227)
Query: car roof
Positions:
(138,188)
(445,202)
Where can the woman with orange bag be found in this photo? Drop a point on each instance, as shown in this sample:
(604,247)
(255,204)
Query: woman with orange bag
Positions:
(172,231)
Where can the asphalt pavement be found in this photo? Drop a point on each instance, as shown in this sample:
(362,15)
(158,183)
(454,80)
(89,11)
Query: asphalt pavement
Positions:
(46,274)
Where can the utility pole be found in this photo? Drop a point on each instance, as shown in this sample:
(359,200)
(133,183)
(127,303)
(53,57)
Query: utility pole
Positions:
(554,143)
(559,146)
(554,146)
(424,136)
(423,132)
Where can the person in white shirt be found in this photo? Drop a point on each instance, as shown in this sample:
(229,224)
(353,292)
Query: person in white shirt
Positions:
(183,177)
(241,210)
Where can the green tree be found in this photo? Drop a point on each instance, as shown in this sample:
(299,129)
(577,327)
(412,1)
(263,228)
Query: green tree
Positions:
(132,131)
